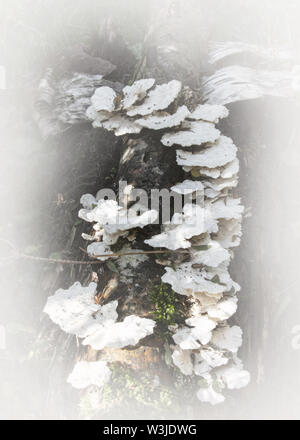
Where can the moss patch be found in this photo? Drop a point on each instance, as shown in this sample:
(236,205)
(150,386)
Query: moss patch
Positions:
(168,308)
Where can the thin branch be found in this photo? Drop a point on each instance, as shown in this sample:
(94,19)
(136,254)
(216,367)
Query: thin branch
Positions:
(121,254)
(55,260)
(62,261)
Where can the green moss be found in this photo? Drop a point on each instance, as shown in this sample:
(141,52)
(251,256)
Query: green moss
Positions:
(140,388)
(167,306)
(130,390)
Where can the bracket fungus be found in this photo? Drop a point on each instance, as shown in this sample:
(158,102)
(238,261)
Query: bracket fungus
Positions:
(193,221)
(193,133)
(160,120)
(157,99)
(121,334)
(76,312)
(120,125)
(206,345)
(229,338)
(104,99)
(208,394)
(122,114)
(199,333)
(188,187)
(188,281)
(224,309)
(214,358)
(213,256)
(182,359)
(212,156)
(85,374)
(72,309)
(113,220)
(210,113)
(136,92)
(99,248)
(234,377)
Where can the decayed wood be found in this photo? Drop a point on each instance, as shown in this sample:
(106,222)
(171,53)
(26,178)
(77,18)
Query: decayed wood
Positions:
(141,358)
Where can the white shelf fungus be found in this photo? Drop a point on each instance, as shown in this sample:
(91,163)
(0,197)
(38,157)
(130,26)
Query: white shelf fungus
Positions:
(190,282)
(115,220)
(212,257)
(234,377)
(221,275)
(76,312)
(103,99)
(229,338)
(194,133)
(206,346)
(210,113)
(194,220)
(99,248)
(202,171)
(224,309)
(231,169)
(121,125)
(215,155)
(136,92)
(88,201)
(201,367)
(188,187)
(228,209)
(121,334)
(218,185)
(229,232)
(214,358)
(208,394)
(73,309)
(187,338)
(158,121)
(85,374)
(157,99)
(182,359)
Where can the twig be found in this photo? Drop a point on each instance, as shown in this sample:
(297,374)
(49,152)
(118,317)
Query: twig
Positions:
(62,261)
(16,254)
(121,254)
(54,260)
